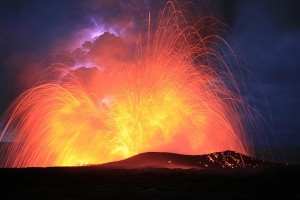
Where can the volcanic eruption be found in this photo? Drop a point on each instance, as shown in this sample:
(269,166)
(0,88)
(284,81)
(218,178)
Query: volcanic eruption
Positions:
(178,94)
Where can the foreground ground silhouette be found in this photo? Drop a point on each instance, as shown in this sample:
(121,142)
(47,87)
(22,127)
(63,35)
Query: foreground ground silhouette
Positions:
(147,180)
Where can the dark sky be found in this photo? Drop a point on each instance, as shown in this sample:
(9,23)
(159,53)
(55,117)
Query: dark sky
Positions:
(266,35)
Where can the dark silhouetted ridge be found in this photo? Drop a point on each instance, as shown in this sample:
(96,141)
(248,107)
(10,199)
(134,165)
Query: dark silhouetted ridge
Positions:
(225,159)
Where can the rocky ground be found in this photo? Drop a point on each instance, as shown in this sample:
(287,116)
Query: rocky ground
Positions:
(150,183)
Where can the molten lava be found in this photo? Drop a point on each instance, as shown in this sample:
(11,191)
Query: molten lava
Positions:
(173,98)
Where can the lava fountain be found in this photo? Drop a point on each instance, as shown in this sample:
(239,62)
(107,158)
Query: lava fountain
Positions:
(178,95)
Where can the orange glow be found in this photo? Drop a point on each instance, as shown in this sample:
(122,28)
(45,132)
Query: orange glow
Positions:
(170,99)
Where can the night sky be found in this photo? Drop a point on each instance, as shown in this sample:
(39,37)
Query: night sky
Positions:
(266,36)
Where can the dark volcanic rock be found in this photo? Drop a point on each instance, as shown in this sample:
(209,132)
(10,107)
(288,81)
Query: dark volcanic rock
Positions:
(91,182)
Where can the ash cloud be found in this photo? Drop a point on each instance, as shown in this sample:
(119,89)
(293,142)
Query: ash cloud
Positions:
(106,51)
(32,31)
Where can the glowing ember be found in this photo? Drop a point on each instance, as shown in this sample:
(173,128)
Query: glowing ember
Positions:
(172,98)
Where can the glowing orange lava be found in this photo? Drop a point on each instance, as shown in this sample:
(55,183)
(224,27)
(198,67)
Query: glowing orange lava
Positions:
(172,98)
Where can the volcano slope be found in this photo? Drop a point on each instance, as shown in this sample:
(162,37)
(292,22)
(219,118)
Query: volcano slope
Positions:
(220,175)
(217,160)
